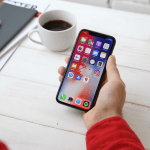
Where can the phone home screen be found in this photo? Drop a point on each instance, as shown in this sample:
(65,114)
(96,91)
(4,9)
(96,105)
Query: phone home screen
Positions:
(85,70)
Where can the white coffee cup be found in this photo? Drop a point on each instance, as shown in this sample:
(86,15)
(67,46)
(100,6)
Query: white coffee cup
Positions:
(55,40)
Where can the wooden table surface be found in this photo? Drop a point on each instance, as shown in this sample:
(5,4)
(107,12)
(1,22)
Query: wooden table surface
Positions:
(30,117)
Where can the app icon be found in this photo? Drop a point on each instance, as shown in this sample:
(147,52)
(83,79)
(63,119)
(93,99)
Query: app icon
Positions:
(103,55)
(83,39)
(89,71)
(95,53)
(70,99)
(81,67)
(92,61)
(84,59)
(73,66)
(99,63)
(77,57)
(80,48)
(63,96)
(98,44)
(87,50)
(78,77)
(91,42)
(86,104)
(86,79)
(78,101)
(70,74)
(106,46)
(96,72)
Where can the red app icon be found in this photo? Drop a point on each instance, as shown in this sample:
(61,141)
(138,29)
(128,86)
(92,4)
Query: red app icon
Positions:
(86,79)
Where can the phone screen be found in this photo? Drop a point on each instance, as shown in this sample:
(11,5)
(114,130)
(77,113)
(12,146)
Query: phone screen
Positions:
(85,70)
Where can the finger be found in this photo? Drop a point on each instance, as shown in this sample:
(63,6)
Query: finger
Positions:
(112,71)
(60,78)
(61,70)
(67,59)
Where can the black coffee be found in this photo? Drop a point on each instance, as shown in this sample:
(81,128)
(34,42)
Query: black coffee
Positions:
(57,25)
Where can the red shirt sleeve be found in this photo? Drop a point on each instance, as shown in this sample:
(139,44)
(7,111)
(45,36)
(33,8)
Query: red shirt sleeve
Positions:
(3,146)
(112,134)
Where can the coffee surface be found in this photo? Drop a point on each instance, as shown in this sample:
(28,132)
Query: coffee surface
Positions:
(57,25)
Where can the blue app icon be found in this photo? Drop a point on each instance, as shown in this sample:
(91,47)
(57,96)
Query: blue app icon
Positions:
(95,53)
(78,101)
(70,74)
(78,77)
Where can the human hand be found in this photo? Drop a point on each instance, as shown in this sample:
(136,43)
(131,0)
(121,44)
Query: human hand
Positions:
(111,97)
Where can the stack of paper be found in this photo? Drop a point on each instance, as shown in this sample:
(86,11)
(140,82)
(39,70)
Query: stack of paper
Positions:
(8,50)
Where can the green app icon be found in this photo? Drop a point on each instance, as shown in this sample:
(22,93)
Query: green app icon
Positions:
(86,104)
(83,40)
(63,96)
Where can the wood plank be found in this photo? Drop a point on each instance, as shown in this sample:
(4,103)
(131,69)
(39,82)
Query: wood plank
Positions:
(34,102)
(139,120)
(106,20)
(41,66)
(22,135)
(128,51)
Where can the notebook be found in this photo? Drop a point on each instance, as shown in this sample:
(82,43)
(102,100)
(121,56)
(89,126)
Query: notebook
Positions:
(13,20)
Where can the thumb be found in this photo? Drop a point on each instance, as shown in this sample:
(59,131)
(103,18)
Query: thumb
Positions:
(112,71)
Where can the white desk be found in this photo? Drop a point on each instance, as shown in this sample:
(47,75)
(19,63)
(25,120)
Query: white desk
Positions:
(30,117)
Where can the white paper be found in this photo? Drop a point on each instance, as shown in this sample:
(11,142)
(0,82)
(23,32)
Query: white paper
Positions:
(5,58)
(8,50)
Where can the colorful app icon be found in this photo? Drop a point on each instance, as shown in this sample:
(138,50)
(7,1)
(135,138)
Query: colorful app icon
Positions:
(83,39)
(70,99)
(78,77)
(100,64)
(63,96)
(98,44)
(106,46)
(81,67)
(84,59)
(103,55)
(91,42)
(70,74)
(86,104)
(86,79)
(77,57)
(78,101)
(73,66)
(96,72)
(88,50)
(92,61)
(88,71)
(95,53)
(80,48)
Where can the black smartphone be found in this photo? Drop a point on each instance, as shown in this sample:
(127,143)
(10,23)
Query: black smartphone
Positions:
(87,65)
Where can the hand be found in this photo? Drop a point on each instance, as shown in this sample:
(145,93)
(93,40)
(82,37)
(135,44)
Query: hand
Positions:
(1,1)
(111,97)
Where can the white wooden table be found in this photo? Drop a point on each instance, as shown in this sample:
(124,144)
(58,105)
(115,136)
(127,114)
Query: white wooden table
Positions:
(30,117)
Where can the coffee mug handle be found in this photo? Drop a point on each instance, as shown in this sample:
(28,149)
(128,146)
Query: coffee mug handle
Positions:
(29,36)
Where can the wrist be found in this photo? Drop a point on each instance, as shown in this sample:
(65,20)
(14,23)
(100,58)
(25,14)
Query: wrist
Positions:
(98,116)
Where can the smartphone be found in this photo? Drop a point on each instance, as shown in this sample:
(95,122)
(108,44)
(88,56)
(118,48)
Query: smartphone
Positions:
(87,65)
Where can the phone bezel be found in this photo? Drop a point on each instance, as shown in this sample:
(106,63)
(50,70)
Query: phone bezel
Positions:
(104,71)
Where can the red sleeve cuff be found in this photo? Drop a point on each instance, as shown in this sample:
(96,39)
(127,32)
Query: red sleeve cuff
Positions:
(3,146)
(112,133)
